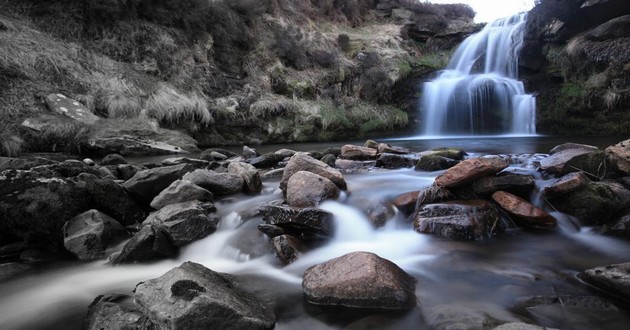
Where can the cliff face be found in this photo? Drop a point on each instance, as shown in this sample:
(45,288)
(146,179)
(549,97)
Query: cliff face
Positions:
(225,72)
(576,60)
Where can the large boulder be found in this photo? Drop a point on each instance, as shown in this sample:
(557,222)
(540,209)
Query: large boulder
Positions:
(147,184)
(566,184)
(466,220)
(523,212)
(618,156)
(469,170)
(220,184)
(184,223)
(192,296)
(146,245)
(302,223)
(116,311)
(63,105)
(571,157)
(359,279)
(433,162)
(303,162)
(88,234)
(611,278)
(181,191)
(393,161)
(353,152)
(518,184)
(250,175)
(113,159)
(306,189)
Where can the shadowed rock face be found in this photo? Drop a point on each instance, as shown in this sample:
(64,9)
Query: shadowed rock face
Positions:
(467,220)
(613,278)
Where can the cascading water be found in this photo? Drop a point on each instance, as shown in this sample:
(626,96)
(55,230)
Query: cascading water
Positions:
(479,93)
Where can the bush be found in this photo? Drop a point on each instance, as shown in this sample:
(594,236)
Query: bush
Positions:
(170,107)
(11,144)
(290,48)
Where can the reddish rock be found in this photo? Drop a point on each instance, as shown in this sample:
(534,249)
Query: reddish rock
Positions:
(469,170)
(407,201)
(306,189)
(619,157)
(566,184)
(358,153)
(524,212)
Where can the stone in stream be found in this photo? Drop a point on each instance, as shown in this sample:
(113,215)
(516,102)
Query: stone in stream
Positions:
(113,159)
(469,170)
(359,279)
(406,202)
(146,245)
(302,223)
(127,171)
(147,184)
(288,248)
(306,189)
(618,156)
(88,234)
(376,210)
(517,184)
(384,148)
(432,162)
(394,161)
(220,184)
(209,156)
(353,152)
(619,228)
(614,279)
(181,191)
(303,162)
(184,223)
(329,159)
(116,311)
(566,184)
(266,161)
(465,220)
(521,326)
(250,175)
(452,153)
(464,317)
(571,157)
(196,163)
(524,213)
(249,152)
(192,296)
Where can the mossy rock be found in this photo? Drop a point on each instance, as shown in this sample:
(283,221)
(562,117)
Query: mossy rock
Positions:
(594,203)
(452,153)
(435,162)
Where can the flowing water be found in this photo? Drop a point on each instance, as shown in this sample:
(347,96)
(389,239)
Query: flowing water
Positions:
(478,92)
(453,278)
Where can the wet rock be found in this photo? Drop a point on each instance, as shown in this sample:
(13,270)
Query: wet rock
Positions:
(521,326)
(196,163)
(184,223)
(8,163)
(147,184)
(181,191)
(302,223)
(523,212)
(433,194)
(433,162)
(302,162)
(127,171)
(620,228)
(566,184)
(384,148)
(249,152)
(277,173)
(376,210)
(618,156)
(371,144)
(612,278)
(271,230)
(63,105)
(286,153)
(192,296)
(306,189)
(329,159)
(209,156)
(573,158)
(393,161)
(266,161)
(11,269)
(116,311)
(452,153)
(465,220)
(88,234)
(220,184)
(288,248)
(359,279)
(113,159)
(469,170)
(406,202)
(445,317)
(572,146)
(353,152)
(146,245)
(349,165)
(250,175)
(518,184)
(68,168)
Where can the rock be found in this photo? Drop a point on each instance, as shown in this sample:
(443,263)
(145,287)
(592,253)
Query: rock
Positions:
(116,311)
(113,159)
(181,191)
(349,165)
(306,189)
(249,243)
(68,168)
(266,161)
(393,161)
(432,194)
(147,184)
(288,248)
(196,163)
(518,184)
(211,154)
(277,173)
(146,245)
(271,230)
(184,223)
(620,228)
(612,278)
(384,148)
(61,104)
(371,144)
(466,220)
(220,184)
(286,153)
(88,162)
(249,152)
(250,175)
(619,157)
(615,28)
(376,210)
(571,160)
(301,223)
(88,234)
(302,162)
(521,326)
(359,279)
(469,170)
(192,296)
(457,316)
(572,146)
(452,153)
(523,212)
(433,162)
(127,171)
(566,184)
(129,145)
(353,152)
(329,159)
(8,163)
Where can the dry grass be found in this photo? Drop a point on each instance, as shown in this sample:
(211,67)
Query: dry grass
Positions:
(168,106)
(118,98)
(11,144)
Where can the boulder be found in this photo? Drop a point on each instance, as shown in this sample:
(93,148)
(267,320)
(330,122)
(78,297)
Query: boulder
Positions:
(371,144)
(518,184)
(452,153)
(220,184)
(353,152)
(612,278)
(303,162)
(393,161)
(147,184)
(329,159)
(302,223)
(433,162)
(523,212)
(384,148)
(196,163)
(116,311)
(469,170)
(113,159)
(250,175)
(146,245)
(465,220)
(192,296)
(359,279)
(181,191)
(306,189)
(249,152)
(88,234)
(619,228)
(566,184)
(184,223)
(574,158)
(376,210)
(210,154)
(266,161)
(618,27)
(618,156)
(288,248)
(406,202)
(63,105)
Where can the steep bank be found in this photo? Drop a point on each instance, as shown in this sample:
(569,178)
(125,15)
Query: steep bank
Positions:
(224,72)
(576,59)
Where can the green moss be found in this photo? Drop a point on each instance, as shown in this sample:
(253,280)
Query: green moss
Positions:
(449,152)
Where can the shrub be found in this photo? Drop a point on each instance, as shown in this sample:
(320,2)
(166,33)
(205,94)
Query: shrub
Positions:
(343,41)
(170,107)
(11,144)
(290,48)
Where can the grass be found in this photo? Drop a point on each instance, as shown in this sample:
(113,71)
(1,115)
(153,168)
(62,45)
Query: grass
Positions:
(59,136)
(118,98)
(11,144)
(169,106)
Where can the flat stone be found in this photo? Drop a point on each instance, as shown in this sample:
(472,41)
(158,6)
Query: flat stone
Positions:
(524,212)
(469,170)
(353,152)
(465,220)
(181,191)
(63,105)
(612,278)
(566,184)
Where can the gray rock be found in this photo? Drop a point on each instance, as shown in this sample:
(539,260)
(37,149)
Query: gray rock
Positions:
(359,279)
(250,175)
(196,163)
(393,161)
(301,223)
(146,245)
(329,159)
(113,159)
(271,230)
(192,296)
(467,220)
(88,234)
(306,189)
(116,311)
(431,162)
(353,152)
(127,171)
(520,326)
(620,228)
(220,184)
(249,152)
(303,162)
(184,223)
(459,317)
(611,278)
(70,108)
(384,148)
(266,161)
(287,248)
(518,184)
(147,184)
(572,160)
(209,156)
(181,191)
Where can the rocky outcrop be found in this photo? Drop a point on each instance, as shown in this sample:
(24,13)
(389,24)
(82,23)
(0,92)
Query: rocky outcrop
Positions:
(88,234)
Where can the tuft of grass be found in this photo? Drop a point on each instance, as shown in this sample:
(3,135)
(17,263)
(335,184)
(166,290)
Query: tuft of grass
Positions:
(66,136)
(11,144)
(118,98)
(170,107)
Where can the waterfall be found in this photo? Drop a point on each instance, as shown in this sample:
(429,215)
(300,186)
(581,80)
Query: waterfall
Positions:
(478,92)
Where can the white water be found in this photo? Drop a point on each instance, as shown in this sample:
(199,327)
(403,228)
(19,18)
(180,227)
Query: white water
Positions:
(478,92)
